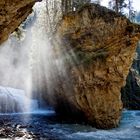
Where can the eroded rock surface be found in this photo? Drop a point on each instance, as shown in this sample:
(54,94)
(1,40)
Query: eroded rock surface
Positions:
(104,45)
(131,91)
(12,14)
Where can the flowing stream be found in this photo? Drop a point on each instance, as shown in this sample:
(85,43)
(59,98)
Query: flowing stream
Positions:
(45,125)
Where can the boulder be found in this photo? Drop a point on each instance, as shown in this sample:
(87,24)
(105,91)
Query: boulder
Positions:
(101,46)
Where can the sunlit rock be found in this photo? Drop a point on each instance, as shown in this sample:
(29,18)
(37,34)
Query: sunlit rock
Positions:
(104,45)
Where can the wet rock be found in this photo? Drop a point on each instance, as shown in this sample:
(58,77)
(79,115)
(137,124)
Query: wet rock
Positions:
(16,131)
(19,134)
(8,130)
(17,126)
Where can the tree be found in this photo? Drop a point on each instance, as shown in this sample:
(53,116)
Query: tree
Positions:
(132,12)
(117,5)
(96,1)
(138,17)
(72,5)
(121,6)
(57,8)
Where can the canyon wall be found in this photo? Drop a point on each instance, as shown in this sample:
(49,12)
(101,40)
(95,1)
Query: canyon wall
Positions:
(12,14)
(104,46)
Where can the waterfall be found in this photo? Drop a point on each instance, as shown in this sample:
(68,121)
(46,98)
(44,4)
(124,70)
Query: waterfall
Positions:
(47,60)
(13,100)
(30,66)
(16,65)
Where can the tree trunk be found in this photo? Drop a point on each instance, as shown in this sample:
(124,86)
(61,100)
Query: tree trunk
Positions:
(116,6)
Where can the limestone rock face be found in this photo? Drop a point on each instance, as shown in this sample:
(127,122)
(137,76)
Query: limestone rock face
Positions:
(12,13)
(104,45)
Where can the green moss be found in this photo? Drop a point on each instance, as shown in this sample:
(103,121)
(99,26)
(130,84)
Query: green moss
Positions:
(89,57)
(18,33)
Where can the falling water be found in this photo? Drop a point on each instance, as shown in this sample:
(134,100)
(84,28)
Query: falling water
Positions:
(31,63)
(30,66)
(17,61)
(15,73)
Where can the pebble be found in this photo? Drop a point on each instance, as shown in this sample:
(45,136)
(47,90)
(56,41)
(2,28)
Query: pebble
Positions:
(17,131)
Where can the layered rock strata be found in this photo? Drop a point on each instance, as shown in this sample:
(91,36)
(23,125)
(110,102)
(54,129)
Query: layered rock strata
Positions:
(103,45)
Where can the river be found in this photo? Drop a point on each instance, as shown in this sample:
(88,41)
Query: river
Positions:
(46,125)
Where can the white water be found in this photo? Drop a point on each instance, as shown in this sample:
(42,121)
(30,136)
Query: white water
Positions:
(129,129)
(14,100)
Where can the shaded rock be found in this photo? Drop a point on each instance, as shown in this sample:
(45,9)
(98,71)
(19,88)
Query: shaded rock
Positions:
(20,134)
(131,91)
(12,14)
(104,45)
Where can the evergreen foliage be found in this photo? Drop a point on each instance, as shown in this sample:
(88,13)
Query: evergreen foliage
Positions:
(138,17)
(121,6)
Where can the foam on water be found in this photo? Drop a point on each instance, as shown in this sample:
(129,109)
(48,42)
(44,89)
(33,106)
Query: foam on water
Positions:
(129,129)
(35,112)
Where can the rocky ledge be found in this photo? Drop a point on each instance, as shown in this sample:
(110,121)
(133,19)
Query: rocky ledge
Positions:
(12,14)
(102,46)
